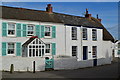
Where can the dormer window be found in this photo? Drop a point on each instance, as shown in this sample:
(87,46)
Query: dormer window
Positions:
(30,30)
(94,34)
(11,29)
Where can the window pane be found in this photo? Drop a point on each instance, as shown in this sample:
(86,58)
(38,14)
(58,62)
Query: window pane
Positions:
(36,52)
(30,52)
(39,52)
(33,52)
(74,50)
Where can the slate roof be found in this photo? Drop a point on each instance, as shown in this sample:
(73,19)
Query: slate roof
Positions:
(43,16)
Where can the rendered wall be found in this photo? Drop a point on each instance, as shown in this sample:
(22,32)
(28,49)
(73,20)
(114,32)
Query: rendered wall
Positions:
(23,63)
(72,63)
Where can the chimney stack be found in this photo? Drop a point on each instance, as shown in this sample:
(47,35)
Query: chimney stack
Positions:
(88,15)
(49,8)
(98,18)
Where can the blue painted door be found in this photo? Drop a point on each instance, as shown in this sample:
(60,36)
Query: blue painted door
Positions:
(94,62)
(85,52)
(49,63)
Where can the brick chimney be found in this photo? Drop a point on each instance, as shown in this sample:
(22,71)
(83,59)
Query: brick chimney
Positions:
(88,15)
(49,8)
(98,18)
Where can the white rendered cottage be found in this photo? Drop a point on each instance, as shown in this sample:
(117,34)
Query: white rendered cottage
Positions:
(52,40)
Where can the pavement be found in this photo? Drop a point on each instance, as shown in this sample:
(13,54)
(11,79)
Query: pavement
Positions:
(106,71)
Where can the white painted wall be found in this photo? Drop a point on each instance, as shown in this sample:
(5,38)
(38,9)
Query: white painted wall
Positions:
(22,63)
(59,40)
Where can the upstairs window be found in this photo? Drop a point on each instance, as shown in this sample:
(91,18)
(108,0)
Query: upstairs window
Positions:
(94,51)
(11,48)
(47,31)
(74,33)
(74,50)
(11,29)
(84,36)
(119,45)
(47,48)
(94,34)
(30,30)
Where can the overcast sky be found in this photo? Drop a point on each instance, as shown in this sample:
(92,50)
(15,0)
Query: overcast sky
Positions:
(108,11)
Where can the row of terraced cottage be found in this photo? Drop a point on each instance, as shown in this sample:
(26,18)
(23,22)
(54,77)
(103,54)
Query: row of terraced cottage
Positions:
(52,40)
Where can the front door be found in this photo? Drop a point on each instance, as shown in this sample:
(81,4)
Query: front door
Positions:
(85,52)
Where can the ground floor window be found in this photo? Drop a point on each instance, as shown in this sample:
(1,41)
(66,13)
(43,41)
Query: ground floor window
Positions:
(36,49)
(94,51)
(48,48)
(74,50)
(11,48)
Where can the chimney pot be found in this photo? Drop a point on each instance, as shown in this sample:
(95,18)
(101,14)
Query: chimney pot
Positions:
(87,15)
(49,8)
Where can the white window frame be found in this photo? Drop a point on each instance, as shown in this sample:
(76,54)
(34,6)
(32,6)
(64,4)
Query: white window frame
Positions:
(94,36)
(74,33)
(49,31)
(14,28)
(38,48)
(14,49)
(84,33)
(48,48)
(75,55)
(29,35)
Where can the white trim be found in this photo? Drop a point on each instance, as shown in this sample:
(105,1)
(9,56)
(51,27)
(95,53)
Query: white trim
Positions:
(14,49)
(7,30)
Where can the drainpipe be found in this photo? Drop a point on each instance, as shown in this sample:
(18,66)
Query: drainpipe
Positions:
(65,39)
(81,43)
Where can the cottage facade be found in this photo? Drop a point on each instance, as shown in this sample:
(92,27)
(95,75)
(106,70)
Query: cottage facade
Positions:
(44,36)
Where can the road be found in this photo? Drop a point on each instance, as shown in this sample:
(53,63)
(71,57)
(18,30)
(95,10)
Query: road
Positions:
(106,71)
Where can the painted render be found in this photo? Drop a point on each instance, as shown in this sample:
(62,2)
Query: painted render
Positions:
(63,58)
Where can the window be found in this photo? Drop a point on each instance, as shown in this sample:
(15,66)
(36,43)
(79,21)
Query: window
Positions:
(11,48)
(84,31)
(74,33)
(94,34)
(118,45)
(47,48)
(47,31)
(11,29)
(74,50)
(94,51)
(30,30)
(36,48)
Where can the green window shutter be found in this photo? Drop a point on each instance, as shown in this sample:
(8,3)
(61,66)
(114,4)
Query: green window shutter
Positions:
(24,34)
(42,31)
(118,52)
(53,48)
(37,29)
(4,48)
(18,49)
(53,31)
(4,29)
(18,30)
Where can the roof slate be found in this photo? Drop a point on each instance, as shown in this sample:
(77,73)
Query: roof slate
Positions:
(43,16)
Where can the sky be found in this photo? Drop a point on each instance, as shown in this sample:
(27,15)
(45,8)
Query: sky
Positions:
(107,11)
